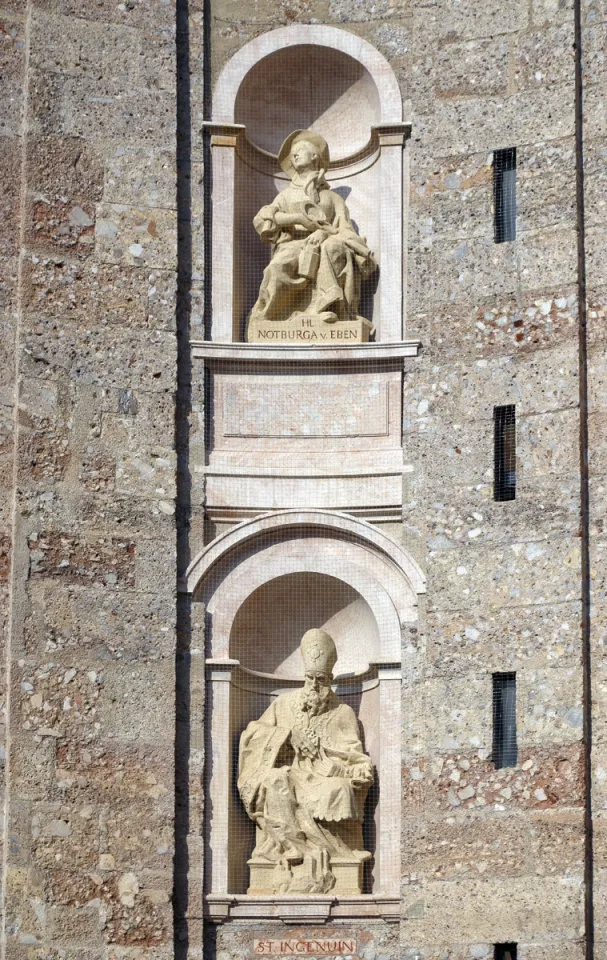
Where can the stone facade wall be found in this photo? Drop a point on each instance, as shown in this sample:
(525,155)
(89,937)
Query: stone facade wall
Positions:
(490,855)
(593,45)
(89,474)
(89,249)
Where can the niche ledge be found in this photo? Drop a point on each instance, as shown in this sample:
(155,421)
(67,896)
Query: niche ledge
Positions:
(221,350)
(309,909)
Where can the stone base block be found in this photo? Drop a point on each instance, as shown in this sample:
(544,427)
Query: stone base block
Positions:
(309,329)
(348,876)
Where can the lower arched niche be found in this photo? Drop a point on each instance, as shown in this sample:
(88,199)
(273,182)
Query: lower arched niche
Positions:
(261,586)
(270,623)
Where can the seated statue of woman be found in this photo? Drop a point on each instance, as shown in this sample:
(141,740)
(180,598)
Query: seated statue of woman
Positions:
(319,259)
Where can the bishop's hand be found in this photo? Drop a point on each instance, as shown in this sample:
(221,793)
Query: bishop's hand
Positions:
(304,742)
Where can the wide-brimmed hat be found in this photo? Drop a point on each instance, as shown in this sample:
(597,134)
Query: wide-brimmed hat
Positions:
(284,154)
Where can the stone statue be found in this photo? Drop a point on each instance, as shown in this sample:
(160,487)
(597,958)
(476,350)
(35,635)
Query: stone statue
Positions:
(318,258)
(303,778)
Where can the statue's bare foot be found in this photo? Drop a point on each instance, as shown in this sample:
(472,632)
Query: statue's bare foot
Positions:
(328,316)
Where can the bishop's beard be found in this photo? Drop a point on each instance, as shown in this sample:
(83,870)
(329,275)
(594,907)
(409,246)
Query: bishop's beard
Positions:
(315,701)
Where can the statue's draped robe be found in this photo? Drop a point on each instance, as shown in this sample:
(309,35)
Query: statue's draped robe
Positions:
(344,257)
(288,800)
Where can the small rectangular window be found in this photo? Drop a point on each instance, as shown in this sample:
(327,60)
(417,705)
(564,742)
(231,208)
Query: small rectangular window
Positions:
(504,453)
(505,751)
(504,194)
(504,951)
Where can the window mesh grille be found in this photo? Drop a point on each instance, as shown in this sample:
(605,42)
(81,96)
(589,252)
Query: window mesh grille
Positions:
(504,475)
(504,194)
(505,750)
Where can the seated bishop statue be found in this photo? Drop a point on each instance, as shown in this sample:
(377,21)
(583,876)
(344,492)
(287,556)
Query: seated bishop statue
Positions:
(303,779)
(318,258)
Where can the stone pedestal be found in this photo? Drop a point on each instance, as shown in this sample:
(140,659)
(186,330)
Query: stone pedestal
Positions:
(348,875)
(309,329)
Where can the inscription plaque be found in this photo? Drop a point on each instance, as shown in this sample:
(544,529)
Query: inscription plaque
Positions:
(343,947)
(302,330)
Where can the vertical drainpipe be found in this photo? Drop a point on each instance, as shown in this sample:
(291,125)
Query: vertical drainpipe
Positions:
(584,485)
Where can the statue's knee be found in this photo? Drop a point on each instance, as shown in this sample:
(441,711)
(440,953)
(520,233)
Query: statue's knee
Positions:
(334,249)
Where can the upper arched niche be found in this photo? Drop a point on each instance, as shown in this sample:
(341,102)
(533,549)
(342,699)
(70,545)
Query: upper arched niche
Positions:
(308,76)
(308,87)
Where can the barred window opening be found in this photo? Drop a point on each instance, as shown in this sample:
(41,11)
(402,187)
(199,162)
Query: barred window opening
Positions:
(505,750)
(504,474)
(504,194)
(504,951)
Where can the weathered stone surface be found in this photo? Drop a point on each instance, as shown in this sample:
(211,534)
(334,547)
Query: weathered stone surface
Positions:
(68,290)
(109,561)
(450,21)
(452,126)
(125,626)
(53,348)
(501,325)
(453,270)
(470,515)
(503,908)
(538,383)
(12,60)
(452,70)
(594,161)
(140,237)
(545,58)
(141,175)
(460,642)
(457,711)
(508,575)
(489,844)
(10,158)
(546,446)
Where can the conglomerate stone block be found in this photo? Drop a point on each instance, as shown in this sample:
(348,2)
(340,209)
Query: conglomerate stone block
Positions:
(539,382)
(141,175)
(10,159)
(52,349)
(462,453)
(508,574)
(12,60)
(545,508)
(506,907)
(510,324)
(136,236)
(73,290)
(489,843)
(544,57)
(595,205)
(468,640)
(451,127)
(125,626)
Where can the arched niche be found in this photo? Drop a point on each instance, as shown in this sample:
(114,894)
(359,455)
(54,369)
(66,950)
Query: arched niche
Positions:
(260,584)
(271,621)
(321,89)
(338,84)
